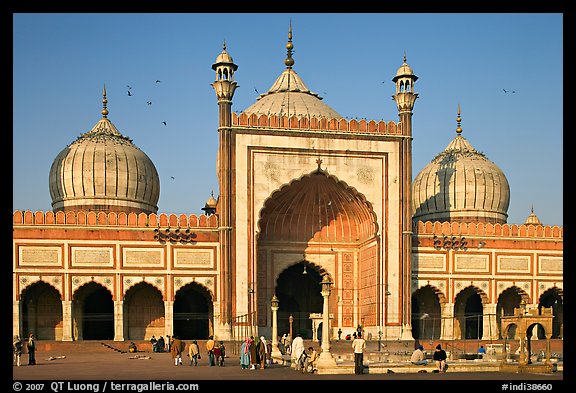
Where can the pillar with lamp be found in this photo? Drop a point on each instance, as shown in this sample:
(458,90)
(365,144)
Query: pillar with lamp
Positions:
(274,306)
(326,361)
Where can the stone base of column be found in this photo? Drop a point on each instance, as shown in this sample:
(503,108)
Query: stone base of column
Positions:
(326,363)
(407,332)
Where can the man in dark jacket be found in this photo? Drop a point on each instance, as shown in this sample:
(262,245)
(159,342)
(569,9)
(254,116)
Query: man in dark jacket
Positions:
(440,358)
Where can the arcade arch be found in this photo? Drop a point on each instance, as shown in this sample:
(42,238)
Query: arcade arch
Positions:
(93,312)
(553,297)
(42,311)
(508,300)
(468,313)
(427,313)
(193,312)
(143,312)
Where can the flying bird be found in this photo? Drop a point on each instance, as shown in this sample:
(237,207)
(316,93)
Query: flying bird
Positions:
(164,122)
(129,87)
(129,93)
(149,102)
(509,91)
(157,81)
(256,90)
(172,177)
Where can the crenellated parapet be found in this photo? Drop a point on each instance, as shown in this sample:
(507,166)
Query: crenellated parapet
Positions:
(307,123)
(487,230)
(114,219)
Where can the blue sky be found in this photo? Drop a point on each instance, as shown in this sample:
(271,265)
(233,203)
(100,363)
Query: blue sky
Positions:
(62,61)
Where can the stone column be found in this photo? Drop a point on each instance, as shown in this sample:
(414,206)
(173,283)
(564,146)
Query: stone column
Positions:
(119,320)
(489,323)
(67,320)
(447,325)
(16,319)
(169,318)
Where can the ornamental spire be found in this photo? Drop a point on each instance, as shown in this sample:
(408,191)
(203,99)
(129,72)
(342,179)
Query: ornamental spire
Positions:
(458,120)
(289,46)
(104,102)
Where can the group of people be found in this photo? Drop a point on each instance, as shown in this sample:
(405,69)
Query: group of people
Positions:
(158,345)
(439,356)
(255,353)
(18,349)
(216,351)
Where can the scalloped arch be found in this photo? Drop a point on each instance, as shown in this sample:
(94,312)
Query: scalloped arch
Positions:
(317,206)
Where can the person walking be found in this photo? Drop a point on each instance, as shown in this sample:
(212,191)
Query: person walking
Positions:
(31,346)
(359,344)
(439,357)
(17,348)
(222,354)
(194,352)
(253,354)
(210,349)
(245,354)
(176,350)
(297,350)
(261,349)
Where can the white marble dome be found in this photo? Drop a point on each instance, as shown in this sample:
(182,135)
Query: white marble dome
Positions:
(461,184)
(102,170)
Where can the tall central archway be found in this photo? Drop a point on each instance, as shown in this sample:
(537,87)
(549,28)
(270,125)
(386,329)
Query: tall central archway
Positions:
(316,217)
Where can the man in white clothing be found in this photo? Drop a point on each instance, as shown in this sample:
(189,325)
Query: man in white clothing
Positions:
(297,351)
(359,345)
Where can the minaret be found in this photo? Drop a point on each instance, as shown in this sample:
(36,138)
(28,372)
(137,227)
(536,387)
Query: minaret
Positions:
(405,98)
(224,86)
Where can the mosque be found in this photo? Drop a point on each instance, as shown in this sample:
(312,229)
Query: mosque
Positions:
(305,195)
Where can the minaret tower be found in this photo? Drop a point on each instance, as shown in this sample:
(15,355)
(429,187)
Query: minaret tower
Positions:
(224,86)
(405,98)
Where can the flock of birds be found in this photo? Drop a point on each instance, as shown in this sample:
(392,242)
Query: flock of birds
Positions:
(149,103)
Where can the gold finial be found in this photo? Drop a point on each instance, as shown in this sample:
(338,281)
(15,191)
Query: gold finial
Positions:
(104,102)
(224,46)
(458,120)
(404,57)
(289,60)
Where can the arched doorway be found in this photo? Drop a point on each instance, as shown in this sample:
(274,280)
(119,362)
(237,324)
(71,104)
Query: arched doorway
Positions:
(193,312)
(143,312)
(426,314)
(507,302)
(320,221)
(468,313)
(42,311)
(298,291)
(93,311)
(553,298)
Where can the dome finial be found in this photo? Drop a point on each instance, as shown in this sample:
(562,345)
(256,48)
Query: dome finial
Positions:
(104,102)
(458,120)
(289,60)
(224,46)
(404,57)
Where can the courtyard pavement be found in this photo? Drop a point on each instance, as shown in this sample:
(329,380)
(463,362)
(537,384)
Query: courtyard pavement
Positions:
(108,370)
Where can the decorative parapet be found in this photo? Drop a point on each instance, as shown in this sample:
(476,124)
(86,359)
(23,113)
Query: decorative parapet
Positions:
(313,123)
(486,229)
(114,219)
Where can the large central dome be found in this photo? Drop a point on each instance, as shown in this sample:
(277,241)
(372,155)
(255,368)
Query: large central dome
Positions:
(290,96)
